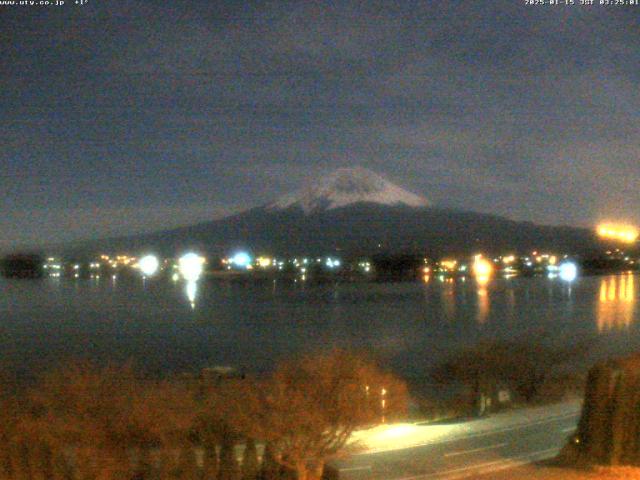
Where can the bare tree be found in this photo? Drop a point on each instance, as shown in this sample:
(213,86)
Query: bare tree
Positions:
(309,408)
(523,366)
(103,422)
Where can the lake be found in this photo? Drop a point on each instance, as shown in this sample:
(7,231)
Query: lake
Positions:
(169,326)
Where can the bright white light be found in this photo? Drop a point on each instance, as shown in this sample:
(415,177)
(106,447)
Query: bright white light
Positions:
(149,265)
(241,259)
(482,267)
(568,271)
(190,266)
(332,262)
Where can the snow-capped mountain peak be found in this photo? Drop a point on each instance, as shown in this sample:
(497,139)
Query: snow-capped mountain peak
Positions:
(347,186)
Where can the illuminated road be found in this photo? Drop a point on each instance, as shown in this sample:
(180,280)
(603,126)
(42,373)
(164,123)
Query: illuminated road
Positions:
(465,450)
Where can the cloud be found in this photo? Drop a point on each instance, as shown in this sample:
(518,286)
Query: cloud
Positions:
(46,226)
(490,106)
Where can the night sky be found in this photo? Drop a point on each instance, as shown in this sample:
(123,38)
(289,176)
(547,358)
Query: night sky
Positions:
(125,116)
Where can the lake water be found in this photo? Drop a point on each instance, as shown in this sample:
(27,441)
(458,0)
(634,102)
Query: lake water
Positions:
(168,326)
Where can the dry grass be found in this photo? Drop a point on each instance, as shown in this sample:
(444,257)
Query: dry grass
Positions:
(538,472)
(616,473)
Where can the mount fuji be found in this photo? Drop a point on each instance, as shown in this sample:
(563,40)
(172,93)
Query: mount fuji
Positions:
(354,211)
(348,186)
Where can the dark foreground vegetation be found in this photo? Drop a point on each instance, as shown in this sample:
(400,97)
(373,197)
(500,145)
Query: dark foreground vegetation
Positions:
(83,422)
(609,428)
(22,266)
(498,374)
(87,423)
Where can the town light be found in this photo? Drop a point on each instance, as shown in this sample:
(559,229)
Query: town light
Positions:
(332,262)
(241,259)
(482,267)
(149,265)
(264,262)
(448,265)
(509,259)
(568,271)
(190,266)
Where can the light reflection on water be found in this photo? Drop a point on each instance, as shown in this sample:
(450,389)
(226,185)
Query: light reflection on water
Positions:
(448,298)
(483,303)
(191,289)
(616,302)
(168,324)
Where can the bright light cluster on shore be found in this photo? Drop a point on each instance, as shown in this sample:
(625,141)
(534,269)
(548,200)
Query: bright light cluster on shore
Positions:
(333,262)
(568,271)
(265,262)
(190,266)
(482,267)
(241,259)
(149,265)
(618,232)
(449,265)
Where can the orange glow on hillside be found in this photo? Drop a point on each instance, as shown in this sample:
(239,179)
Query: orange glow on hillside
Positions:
(621,233)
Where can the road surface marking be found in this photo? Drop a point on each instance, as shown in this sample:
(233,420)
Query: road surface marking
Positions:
(473,450)
(353,469)
(488,467)
(496,466)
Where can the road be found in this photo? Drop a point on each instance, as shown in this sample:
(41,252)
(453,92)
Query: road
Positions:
(463,450)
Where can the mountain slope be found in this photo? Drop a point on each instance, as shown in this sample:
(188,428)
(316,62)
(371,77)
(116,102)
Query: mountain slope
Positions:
(354,211)
(362,228)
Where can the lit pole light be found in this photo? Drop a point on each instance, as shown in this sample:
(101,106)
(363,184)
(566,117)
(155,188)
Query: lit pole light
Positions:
(568,271)
(383,394)
(149,265)
(190,266)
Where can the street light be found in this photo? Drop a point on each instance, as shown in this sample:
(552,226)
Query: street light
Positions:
(568,271)
(190,266)
(383,394)
(149,265)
